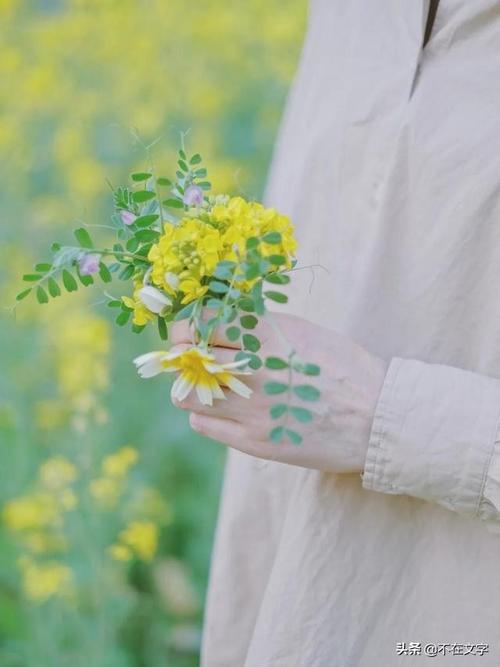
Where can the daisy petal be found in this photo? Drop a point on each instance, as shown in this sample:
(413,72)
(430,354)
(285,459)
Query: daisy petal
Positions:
(236,385)
(182,386)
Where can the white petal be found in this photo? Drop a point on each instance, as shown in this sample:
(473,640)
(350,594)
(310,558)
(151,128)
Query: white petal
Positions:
(213,368)
(216,390)
(172,279)
(153,299)
(238,387)
(204,394)
(182,386)
(150,364)
(235,364)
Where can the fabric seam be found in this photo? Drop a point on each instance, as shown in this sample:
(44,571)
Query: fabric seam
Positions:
(385,396)
(487,464)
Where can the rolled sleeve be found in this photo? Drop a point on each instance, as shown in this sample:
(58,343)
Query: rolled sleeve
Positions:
(435,436)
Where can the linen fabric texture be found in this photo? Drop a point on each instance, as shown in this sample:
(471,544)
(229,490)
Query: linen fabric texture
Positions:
(388,162)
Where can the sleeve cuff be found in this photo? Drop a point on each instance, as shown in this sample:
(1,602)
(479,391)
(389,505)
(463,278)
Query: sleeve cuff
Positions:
(435,436)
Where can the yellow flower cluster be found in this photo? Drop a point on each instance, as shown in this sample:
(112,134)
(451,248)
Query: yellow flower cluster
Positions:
(187,254)
(38,519)
(139,539)
(141,314)
(42,580)
(107,488)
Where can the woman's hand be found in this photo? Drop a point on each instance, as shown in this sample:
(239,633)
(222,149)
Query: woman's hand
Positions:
(351,378)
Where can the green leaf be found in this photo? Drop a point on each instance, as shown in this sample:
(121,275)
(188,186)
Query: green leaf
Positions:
(247,305)
(140,176)
(276,435)
(104,273)
(44,267)
(294,437)
(173,203)
(214,303)
(205,185)
(249,321)
(196,159)
(22,295)
(279,297)
(132,244)
(146,220)
(31,277)
(306,392)
(147,235)
(127,272)
(200,173)
(278,410)
(224,270)
(252,271)
(68,281)
(55,247)
(114,303)
(137,328)
(251,343)
(217,287)
(54,289)
(143,195)
(252,243)
(182,154)
(277,260)
(123,318)
(164,181)
(255,362)
(41,295)
(229,314)
(185,312)
(233,333)
(311,369)
(277,278)
(301,414)
(183,165)
(272,387)
(162,328)
(275,363)
(85,280)
(83,238)
(272,238)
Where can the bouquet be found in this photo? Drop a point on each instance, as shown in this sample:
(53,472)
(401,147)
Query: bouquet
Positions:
(187,253)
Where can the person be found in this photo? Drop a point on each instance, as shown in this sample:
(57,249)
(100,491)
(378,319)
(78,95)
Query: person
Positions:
(376,541)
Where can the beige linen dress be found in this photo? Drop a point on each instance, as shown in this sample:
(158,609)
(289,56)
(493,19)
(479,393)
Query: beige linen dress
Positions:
(388,162)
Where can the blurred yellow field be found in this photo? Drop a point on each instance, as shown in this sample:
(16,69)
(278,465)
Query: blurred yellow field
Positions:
(108,498)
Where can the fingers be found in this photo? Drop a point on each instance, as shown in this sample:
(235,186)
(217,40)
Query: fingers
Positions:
(226,431)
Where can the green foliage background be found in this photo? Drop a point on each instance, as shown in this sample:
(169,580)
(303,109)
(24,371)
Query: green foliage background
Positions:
(81,79)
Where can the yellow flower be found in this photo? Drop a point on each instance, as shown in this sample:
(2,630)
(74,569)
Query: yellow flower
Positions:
(43,580)
(186,254)
(57,473)
(141,314)
(119,552)
(105,491)
(33,511)
(118,464)
(198,370)
(142,539)
(192,289)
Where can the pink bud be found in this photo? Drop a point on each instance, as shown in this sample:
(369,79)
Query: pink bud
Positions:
(127,217)
(89,264)
(193,196)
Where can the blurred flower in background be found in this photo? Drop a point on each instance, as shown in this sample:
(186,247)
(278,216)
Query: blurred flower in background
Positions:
(105,545)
